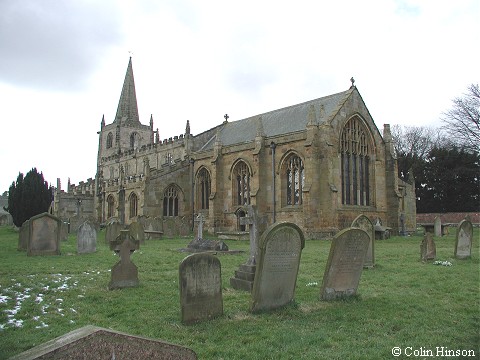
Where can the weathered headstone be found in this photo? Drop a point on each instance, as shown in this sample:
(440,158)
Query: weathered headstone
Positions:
(428,250)
(86,238)
(437,226)
(137,231)
(364,223)
(345,264)
(44,235)
(91,342)
(124,273)
(112,230)
(463,240)
(201,244)
(63,231)
(245,275)
(200,282)
(200,221)
(280,248)
(23,235)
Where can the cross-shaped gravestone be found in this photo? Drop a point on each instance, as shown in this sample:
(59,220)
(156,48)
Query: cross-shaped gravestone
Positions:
(200,222)
(125,272)
(252,221)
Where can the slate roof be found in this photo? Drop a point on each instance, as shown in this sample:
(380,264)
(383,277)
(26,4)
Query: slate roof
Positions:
(287,120)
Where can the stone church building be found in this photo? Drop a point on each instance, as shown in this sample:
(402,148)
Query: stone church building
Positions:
(318,164)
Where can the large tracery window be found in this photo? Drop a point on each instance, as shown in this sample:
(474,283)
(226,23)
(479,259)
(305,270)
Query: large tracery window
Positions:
(110,206)
(109,140)
(170,201)
(355,151)
(133,202)
(241,178)
(203,188)
(295,175)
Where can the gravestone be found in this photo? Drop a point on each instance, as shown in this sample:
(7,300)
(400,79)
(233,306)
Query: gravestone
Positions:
(137,231)
(345,264)
(124,273)
(155,225)
(428,250)
(245,275)
(200,282)
(112,230)
(280,248)
(44,235)
(364,223)
(437,226)
(23,235)
(91,342)
(63,231)
(86,238)
(201,244)
(463,240)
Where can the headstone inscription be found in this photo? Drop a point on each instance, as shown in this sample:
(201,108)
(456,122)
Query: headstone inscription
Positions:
(345,264)
(364,223)
(137,231)
(44,235)
(245,275)
(280,248)
(91,342)
(200,282)
(463,240)
(23,235)
(428,250)
(112,230)
(124,273)
(437,226)
(86,238)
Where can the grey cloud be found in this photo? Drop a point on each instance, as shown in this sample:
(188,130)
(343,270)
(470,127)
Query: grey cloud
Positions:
(52,44)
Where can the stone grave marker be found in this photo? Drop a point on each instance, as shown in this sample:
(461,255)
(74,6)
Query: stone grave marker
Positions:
(244,276)
(86,238)
(154,226)
(137,231)
(112,230)
(463,240)
(63,231)
(437,226)
(199,244)
(200,282)
(345,264)
(124,273)
(91,342)
(23,235)
(280,248)
(44,235)
(200,221)
(428,251)
(364,223)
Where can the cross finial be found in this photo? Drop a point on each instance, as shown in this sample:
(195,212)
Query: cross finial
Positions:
(226,117)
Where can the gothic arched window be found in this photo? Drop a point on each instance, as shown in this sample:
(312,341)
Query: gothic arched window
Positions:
(170,201)
(355,152)
(109,140)
(241,184)
(110,206)
(203,188)
(295,180)
(133,202)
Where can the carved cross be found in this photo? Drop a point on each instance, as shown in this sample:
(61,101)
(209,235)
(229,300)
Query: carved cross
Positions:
(252,221)
(200,222)
(226,117)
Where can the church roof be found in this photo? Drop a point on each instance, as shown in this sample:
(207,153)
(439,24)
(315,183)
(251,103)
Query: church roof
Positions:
(127,111)
(282,121)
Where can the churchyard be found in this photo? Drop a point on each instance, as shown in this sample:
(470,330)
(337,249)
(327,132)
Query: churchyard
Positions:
(401,302)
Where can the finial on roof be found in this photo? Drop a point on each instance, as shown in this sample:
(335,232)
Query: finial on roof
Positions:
(151,121)
(226,117)
(187,128)
(102,124)
(312,116)
(260,131)
(157,136)
(352,80)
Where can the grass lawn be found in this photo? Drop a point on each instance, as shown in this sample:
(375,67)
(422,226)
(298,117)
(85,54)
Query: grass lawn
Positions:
(402,303)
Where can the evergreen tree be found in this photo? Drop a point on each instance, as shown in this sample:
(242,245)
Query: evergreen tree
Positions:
(28,196)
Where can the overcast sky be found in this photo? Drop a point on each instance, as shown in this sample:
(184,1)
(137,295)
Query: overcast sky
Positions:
(62,66)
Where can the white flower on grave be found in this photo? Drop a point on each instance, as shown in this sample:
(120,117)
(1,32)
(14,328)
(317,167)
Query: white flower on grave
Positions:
(312,283)
(442,263)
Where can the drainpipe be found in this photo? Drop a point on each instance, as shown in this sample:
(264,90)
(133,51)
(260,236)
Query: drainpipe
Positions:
(272,146)
(192,196)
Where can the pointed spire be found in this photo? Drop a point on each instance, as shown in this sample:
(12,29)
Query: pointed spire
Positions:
(127,111)
(151,121)
(102,124)
(187,128)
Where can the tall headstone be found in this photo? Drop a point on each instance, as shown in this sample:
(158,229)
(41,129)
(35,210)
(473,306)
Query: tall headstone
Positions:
(428,250)
(345,264)
(23,235)
(86,238)
(364,223)
(280,248)
(124,273)
(200,281)
(463,240)
(137,231)
(44,235)
(200,221)
(244,276)
(112,230)
(437,226)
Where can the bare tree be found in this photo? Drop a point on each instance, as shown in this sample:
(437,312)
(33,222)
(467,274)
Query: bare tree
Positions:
(462,122)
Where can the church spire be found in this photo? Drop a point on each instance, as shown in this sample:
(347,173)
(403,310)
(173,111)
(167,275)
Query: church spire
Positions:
(127,111)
